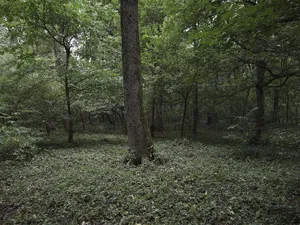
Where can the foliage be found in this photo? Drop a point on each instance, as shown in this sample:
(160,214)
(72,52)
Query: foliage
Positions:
(244,127)
(17,142)
(285,138)
(213,44)
(198,184)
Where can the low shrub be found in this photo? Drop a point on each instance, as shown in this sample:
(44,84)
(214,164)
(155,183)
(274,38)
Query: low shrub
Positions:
(285,138)
(17,143)
(244,127)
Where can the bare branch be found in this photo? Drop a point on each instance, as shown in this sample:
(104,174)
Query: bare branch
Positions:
(280,85)
(238,91)
(287,76)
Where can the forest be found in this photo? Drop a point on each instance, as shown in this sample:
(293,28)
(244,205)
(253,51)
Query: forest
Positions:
(149,112)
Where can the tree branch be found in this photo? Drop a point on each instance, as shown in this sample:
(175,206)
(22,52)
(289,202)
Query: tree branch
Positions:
(238,91)
(248,2)
(280,85)
(287,76)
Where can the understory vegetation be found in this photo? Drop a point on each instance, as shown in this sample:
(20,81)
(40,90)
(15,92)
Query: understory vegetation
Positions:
(149,112)
(189,183)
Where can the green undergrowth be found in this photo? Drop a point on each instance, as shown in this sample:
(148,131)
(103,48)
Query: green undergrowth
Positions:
(87,183)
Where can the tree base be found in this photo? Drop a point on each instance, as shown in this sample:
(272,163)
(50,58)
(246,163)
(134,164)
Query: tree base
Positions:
(133,160)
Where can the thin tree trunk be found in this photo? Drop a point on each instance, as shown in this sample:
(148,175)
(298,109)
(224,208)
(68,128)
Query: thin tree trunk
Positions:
(260,121)
(195,92)
(297,113)
(82,120)
(139,138)
(183,118)
(159,112)
(62,68)
(122,120)
(287,106)
(185,98)
(68,99)
(195,110)
(152,127)
(246,103)
(275,115)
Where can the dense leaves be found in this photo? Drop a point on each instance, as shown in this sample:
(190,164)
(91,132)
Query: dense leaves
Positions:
(199,184)
(228,68)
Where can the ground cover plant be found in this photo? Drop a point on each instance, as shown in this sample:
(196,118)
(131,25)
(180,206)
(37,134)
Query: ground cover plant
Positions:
(149,112)
(192,183)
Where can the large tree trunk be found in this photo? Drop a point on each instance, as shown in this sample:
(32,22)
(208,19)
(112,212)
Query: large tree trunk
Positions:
(195,110)
(139,138)
(260,121)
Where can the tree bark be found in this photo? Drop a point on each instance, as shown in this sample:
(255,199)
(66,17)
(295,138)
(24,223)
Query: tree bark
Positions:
(287,107)
(246,103)
(275,114)
(297,119)
(139,138)
(82,118)
(152,127)
(62,61)
(195,110)
(183,118)
(159,111)
(260,121)
(185,98)
(68,99)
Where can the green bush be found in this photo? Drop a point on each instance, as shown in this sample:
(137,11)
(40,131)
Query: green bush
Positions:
(285,138)
(244,127)
(17,143)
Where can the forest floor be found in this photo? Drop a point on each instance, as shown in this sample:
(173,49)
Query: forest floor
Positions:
(192,183)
